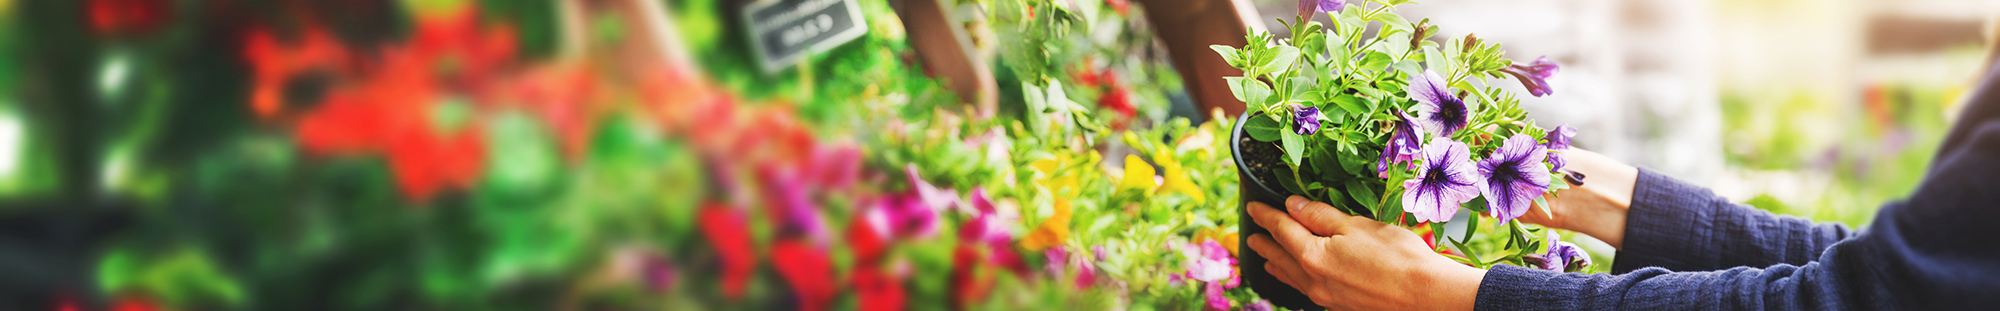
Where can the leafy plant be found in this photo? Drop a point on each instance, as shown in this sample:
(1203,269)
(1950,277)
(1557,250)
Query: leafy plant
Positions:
(1336,98)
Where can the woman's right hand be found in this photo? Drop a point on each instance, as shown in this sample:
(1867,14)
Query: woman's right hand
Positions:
(1599,206)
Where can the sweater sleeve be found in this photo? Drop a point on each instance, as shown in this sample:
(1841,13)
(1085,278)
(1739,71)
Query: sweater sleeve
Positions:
(1683,227)
(1936,251)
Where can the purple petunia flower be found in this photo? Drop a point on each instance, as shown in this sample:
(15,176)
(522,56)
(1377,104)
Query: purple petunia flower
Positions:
(1305,120)
(1562,256)
(1308,7)
(1535,75)
(1404,145)
(1515,176)
(1446,181)
(1260,305)
(1438,110)
(1559,141)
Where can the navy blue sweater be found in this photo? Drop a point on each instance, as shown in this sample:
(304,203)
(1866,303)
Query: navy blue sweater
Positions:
(1688,249)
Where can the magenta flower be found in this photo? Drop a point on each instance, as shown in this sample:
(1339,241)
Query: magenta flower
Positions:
(1438,110)
(1446,181)
(1209,262)
(1515,176)
(1216,301)
(1558,141)
(1404,145)
(987,225)
(793,207)
(931,195)
(1535,75)
(1308,7)
(1305,120)
(1562,256)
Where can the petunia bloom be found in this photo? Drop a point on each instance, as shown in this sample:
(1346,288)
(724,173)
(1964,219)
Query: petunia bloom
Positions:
(1216,301)
(728,231)
(809,270)
(1562,256)
(1446,180)
(1558,140)
(1515,176)
(1309,7)
(877,290)
(1305,120)
(1208,262)
(1535,75)
(792,203)
(1259,305)
(1438,110)
(1404,145)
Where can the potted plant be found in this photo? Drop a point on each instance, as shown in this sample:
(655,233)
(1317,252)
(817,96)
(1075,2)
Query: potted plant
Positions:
(1397,127)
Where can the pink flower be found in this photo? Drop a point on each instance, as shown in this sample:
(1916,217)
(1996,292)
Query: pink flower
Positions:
(1216,301)
(1209,262)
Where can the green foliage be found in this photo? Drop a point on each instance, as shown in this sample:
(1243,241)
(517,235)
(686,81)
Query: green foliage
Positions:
(1358,81)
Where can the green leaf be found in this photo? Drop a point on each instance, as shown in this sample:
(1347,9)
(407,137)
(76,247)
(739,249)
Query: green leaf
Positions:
(1251,92)
(1295,145)
(1389,210)
(1031,97)
(1289,182)
(1397,44)
(1375,61)
(1477,205)
(1351,104)
(1471,225)
(1436,60)
(1408,67)
(1301,89)
(1362,193)
(1281,61)
(1229,54)
(1263,128)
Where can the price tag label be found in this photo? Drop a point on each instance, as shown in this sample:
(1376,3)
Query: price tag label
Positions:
(787,30)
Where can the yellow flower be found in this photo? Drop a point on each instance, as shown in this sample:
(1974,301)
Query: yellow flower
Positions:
(1138,175)
(1228,240)
(1052,231)
(1177,179)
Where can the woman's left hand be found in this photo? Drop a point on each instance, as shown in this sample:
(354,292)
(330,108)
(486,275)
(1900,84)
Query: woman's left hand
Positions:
(1351,262)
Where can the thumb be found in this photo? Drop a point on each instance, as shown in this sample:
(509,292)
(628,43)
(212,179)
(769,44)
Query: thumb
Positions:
(1320,218)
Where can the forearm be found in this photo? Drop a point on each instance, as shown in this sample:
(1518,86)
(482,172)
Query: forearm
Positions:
(1599,206)
(1675,225)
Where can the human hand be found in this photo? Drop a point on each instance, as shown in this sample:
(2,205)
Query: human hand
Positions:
(1597,207)
(1350,262)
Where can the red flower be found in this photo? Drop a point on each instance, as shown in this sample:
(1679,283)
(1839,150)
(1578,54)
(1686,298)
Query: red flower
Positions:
(134,304)
(272,63)
(877,290)
(1118,99)
(113,17)
(808,269)
(728,230)
(869,233)
(969,281)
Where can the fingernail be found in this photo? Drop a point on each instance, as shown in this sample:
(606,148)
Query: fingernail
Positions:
(1295,203)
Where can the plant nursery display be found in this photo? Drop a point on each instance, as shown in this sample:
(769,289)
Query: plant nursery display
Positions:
(713,154)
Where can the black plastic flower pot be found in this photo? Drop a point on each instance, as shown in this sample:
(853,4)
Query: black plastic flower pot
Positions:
(1251,189)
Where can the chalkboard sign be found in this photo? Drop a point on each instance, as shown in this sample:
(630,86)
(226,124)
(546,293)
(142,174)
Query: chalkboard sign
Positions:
(786,30)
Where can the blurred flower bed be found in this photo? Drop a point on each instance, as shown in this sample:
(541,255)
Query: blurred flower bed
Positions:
(438,154)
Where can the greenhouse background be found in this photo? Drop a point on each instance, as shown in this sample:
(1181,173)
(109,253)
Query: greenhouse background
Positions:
(936,155)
